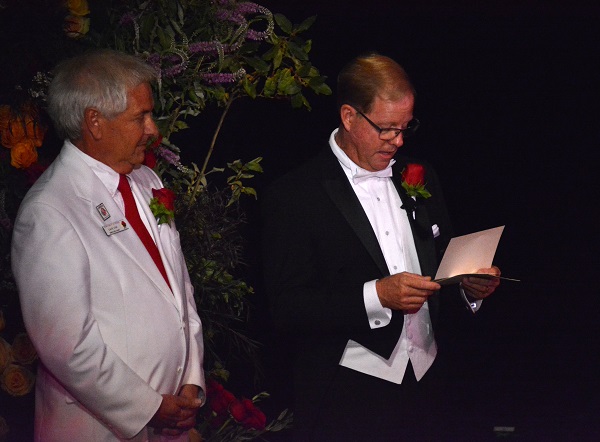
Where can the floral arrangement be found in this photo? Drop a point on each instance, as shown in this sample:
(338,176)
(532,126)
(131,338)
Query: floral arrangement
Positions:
(22,133)
(208,53)
(223,408)
(16,377)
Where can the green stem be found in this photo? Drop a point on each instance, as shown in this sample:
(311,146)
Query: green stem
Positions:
(211,148)
(215,135)
(174,119)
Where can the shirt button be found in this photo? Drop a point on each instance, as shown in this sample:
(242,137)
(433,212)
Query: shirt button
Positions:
(387,233)
(378,199)
(179,369)
(395,267)
(377,322)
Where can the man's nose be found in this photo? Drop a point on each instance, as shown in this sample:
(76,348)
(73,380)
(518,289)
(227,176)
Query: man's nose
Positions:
(151,127)
(398,141)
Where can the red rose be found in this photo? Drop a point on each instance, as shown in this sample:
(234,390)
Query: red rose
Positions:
(247,414)
(218,398)
(151,146)
(166,197)
(413,181)
(414,174)
(156,142)
(150,159)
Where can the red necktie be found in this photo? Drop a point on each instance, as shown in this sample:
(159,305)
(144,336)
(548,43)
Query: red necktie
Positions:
(133,216)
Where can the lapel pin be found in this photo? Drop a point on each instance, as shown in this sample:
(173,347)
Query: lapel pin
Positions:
(101,208)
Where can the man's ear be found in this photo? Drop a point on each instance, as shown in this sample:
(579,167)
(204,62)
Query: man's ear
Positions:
(347,113)
(93,122)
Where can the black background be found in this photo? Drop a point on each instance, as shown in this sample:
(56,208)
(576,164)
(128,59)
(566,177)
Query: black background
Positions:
(508,101)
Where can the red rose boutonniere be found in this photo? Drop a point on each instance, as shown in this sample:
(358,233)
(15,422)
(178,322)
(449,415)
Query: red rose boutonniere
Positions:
(413,181)
(163,205)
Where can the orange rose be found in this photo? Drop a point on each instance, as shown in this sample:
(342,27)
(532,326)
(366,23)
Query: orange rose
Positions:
(23,350)
(5,355)
(14,133)
(23,154)
(13,129)
(35,132)
(17,380)
(76,26)
(78,7)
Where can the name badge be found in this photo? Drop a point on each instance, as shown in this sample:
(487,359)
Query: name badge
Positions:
(119,226)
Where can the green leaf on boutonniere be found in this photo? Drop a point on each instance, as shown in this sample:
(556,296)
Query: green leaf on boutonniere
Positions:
(162,214)
(163,205)
(418,191)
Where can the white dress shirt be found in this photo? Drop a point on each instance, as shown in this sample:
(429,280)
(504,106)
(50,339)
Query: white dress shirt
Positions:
(381,202)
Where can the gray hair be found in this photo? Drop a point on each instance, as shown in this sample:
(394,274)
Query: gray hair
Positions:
(98,79)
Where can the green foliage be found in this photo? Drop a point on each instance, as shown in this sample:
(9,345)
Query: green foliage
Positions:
(212,245)
(162,214)
(418,191)
(213,52)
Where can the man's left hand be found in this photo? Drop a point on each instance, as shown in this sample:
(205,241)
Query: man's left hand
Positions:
(479,288)
(190,392)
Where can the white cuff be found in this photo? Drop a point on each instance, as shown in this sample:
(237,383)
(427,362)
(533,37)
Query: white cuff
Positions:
(378,315)
(472,305)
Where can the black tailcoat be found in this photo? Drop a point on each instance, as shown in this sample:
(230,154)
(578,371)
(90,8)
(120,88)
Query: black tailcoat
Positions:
(318,251)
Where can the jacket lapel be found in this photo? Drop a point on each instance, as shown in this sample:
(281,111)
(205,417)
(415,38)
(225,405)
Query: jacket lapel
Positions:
(88,187)
(341,193)
(419,222)
(163,239)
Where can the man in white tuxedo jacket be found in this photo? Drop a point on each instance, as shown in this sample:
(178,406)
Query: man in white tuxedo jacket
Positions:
(120,345)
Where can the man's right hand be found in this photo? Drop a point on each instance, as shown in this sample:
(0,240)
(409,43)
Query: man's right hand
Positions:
(405,291)
(175,415)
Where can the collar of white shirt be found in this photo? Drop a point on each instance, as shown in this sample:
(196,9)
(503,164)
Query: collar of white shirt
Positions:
(356,172)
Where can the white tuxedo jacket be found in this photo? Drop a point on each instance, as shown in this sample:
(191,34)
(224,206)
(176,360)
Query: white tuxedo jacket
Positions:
(111,336)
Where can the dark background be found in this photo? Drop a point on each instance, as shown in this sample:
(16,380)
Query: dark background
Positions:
(508,101)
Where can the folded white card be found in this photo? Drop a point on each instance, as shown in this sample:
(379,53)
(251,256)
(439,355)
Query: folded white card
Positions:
(468,253)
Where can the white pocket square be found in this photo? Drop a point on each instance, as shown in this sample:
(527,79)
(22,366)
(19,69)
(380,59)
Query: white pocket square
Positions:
(436,230)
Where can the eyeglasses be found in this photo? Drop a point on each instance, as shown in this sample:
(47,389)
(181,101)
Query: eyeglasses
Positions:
(389,133)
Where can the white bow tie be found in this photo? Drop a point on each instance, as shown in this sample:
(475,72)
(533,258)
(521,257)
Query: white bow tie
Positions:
(363,175)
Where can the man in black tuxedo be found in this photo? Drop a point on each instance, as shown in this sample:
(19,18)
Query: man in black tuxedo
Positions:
(349,252)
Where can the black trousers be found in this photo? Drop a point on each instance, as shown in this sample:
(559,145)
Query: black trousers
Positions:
(359,407)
